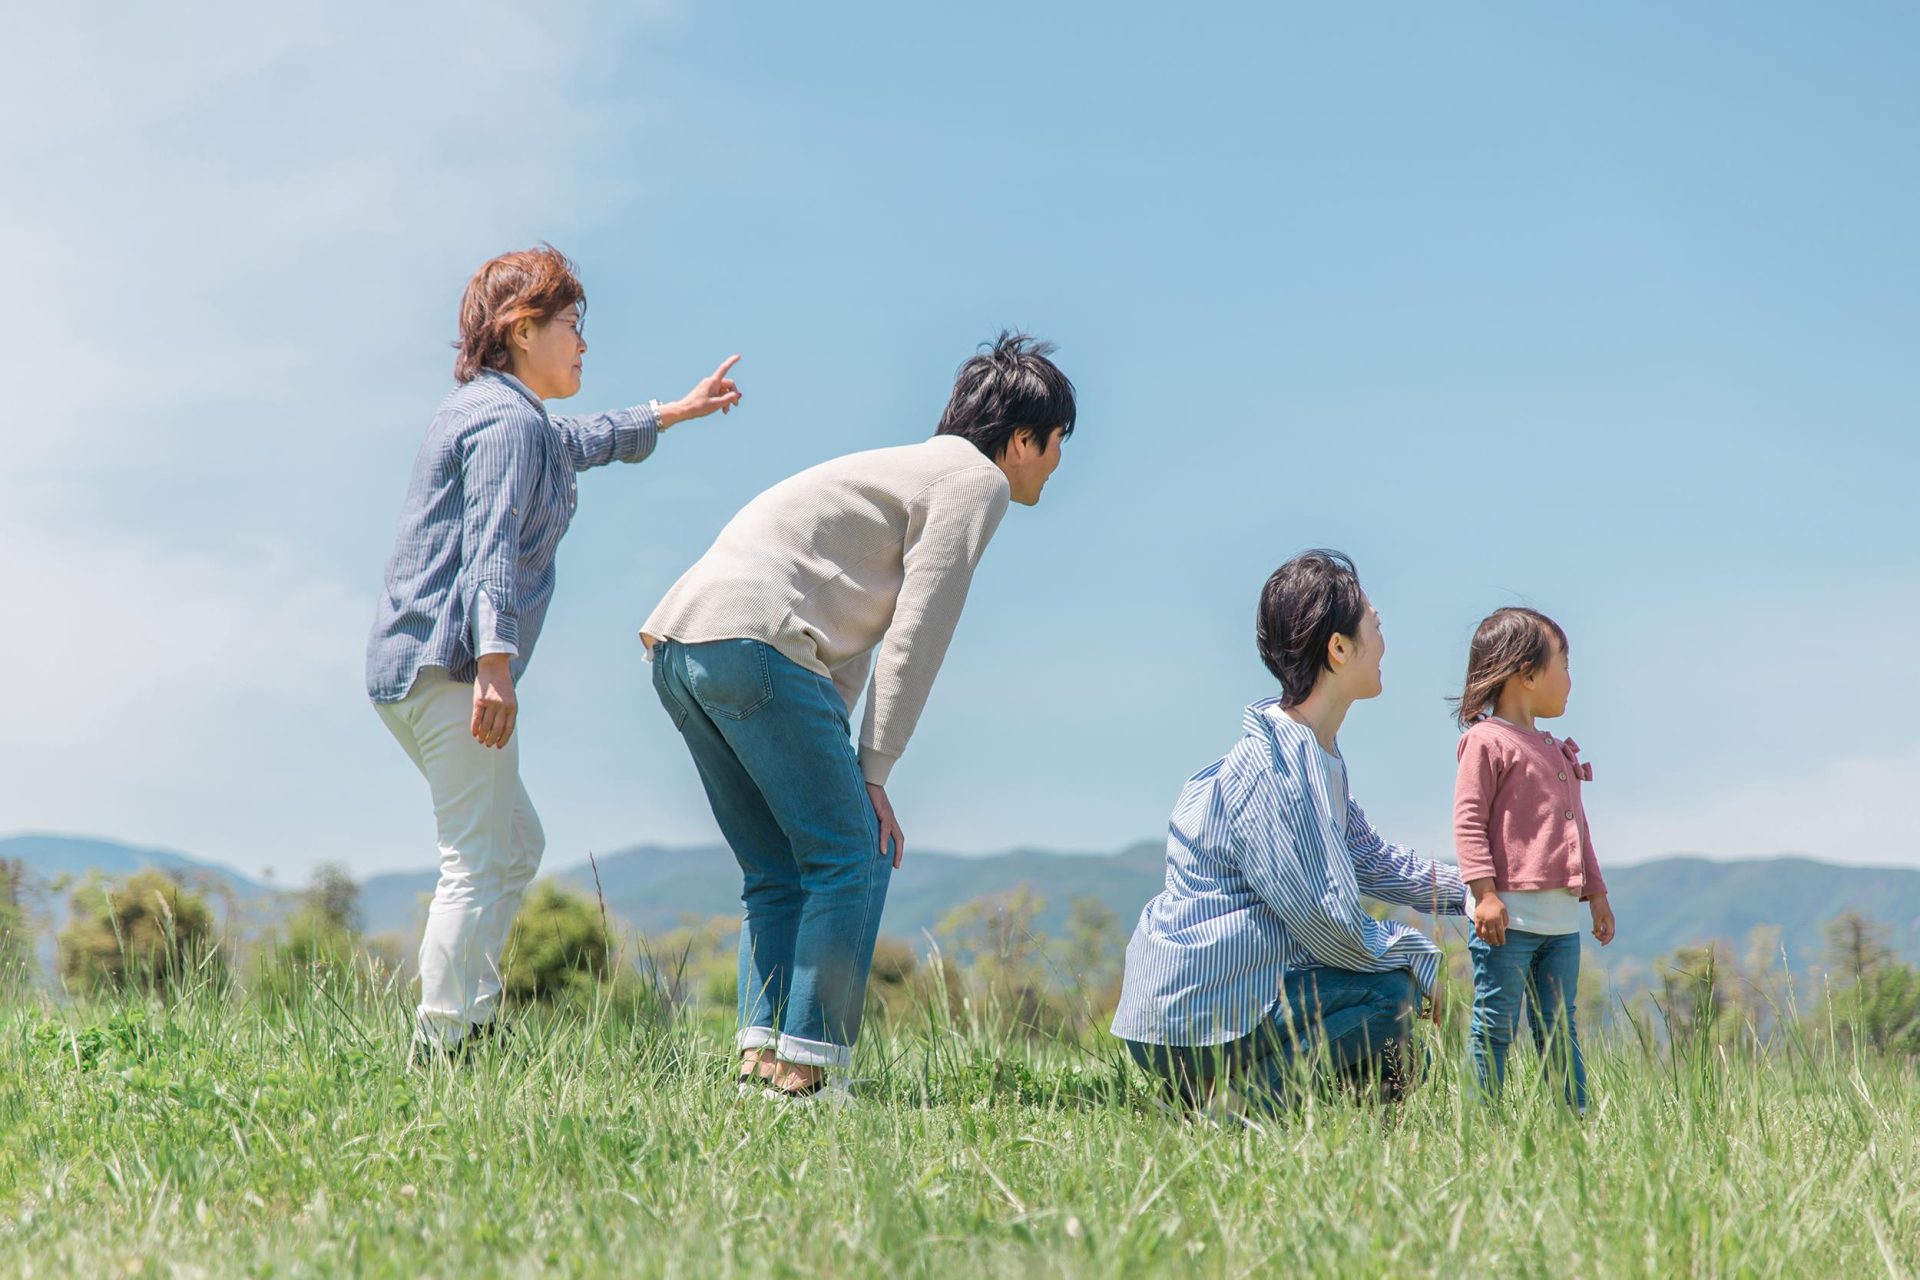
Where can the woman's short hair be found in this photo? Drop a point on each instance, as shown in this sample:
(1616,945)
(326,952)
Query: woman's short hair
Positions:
(1306,603)
(529,284)
(1009,387)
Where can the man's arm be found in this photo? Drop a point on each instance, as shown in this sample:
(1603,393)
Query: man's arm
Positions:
(850,677)
(1394,873)
(948,527)
(1290,859)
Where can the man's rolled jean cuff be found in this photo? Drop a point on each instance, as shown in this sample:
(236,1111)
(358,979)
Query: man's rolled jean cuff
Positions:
(755,1038)
(815,1053)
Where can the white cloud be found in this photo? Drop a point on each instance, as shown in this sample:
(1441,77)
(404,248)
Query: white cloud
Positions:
(221,197)
(194,699)
(1849,809)
(213,206)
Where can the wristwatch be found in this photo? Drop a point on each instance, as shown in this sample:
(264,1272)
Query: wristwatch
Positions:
(658,410)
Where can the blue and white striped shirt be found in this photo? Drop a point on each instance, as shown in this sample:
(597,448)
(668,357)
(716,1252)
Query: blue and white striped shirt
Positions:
(1260,880)
(492,494)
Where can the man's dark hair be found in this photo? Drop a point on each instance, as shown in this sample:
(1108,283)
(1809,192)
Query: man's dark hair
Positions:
(1306,603)
(1009,387)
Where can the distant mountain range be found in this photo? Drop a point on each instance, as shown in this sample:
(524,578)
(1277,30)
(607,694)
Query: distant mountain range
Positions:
(1661,905)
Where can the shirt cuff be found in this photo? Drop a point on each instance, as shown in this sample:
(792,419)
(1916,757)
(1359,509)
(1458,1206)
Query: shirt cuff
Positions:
(876,765)
(1426,968)
(635,433)
(486,629)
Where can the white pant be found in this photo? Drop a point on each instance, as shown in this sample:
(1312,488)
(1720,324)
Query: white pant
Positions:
(490,847)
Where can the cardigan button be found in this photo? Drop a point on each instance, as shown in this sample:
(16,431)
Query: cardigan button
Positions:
(1563,775)
(1569,815)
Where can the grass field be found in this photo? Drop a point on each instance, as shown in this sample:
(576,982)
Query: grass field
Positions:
(219,1135)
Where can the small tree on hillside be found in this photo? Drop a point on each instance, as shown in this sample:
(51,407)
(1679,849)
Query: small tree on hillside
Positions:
(1093,951)
(1694,983)
(148,933)
(558,946)
(16,926)
(326,928)
(1856,947)
(321,936)
(996,941)
(1876,998)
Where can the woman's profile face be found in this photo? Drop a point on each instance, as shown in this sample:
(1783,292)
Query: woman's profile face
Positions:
(549,357)
(1369,647)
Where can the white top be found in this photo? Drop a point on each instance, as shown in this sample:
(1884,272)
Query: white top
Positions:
(1542,910)
(825,563)
(1337,795)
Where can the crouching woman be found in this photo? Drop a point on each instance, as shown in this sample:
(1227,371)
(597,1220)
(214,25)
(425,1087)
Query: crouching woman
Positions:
(1257,963)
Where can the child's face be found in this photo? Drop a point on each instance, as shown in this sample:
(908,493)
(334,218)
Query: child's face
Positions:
(1552,684)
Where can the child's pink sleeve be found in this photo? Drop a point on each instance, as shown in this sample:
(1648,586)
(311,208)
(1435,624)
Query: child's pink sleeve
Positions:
(1473,788)
(1593,884)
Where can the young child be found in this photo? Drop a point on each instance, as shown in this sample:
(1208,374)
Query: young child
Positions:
(1524,848)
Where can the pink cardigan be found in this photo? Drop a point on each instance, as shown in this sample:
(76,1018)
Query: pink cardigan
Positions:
(1517,815)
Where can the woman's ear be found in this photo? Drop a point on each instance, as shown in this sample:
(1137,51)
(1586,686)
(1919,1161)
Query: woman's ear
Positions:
(520,337)
(1339,651)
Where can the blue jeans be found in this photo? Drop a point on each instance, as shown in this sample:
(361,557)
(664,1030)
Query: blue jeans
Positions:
(1363,1022)
(1543,969)
(770,739)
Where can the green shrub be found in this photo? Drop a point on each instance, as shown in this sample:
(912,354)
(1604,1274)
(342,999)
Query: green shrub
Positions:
(321,938)
(148,933)
(16,928)
(558,946)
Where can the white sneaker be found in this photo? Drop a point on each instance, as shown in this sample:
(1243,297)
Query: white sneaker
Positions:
(830,1093)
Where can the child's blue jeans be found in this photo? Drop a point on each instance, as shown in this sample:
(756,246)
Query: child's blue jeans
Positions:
(770,739)
(1543,971)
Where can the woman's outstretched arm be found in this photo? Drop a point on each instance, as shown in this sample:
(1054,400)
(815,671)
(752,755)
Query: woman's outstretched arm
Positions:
(1394,873)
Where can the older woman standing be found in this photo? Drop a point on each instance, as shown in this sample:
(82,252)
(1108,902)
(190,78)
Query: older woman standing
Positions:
(1258,948)
(467,587)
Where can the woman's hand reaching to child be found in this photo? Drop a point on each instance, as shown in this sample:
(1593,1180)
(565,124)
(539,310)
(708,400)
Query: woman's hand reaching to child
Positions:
(1602,918)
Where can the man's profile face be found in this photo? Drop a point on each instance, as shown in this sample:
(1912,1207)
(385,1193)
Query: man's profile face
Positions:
(1029,465)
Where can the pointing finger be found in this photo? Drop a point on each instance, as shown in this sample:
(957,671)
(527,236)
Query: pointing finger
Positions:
(727,364)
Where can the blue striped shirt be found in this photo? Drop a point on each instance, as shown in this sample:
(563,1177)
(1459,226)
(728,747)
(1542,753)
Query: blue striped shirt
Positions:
(1261,879)
(492,493)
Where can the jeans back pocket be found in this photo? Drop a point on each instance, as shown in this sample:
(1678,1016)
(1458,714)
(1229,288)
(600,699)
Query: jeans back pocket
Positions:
(729,678)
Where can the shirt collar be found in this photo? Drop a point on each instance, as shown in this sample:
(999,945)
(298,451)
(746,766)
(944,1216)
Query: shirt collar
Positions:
(517,385)
(1266,719)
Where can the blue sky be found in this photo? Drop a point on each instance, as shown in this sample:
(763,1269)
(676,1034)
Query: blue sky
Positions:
(1612,311)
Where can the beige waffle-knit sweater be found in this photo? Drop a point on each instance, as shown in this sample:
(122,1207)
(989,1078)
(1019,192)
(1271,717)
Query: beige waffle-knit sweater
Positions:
(824,564)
